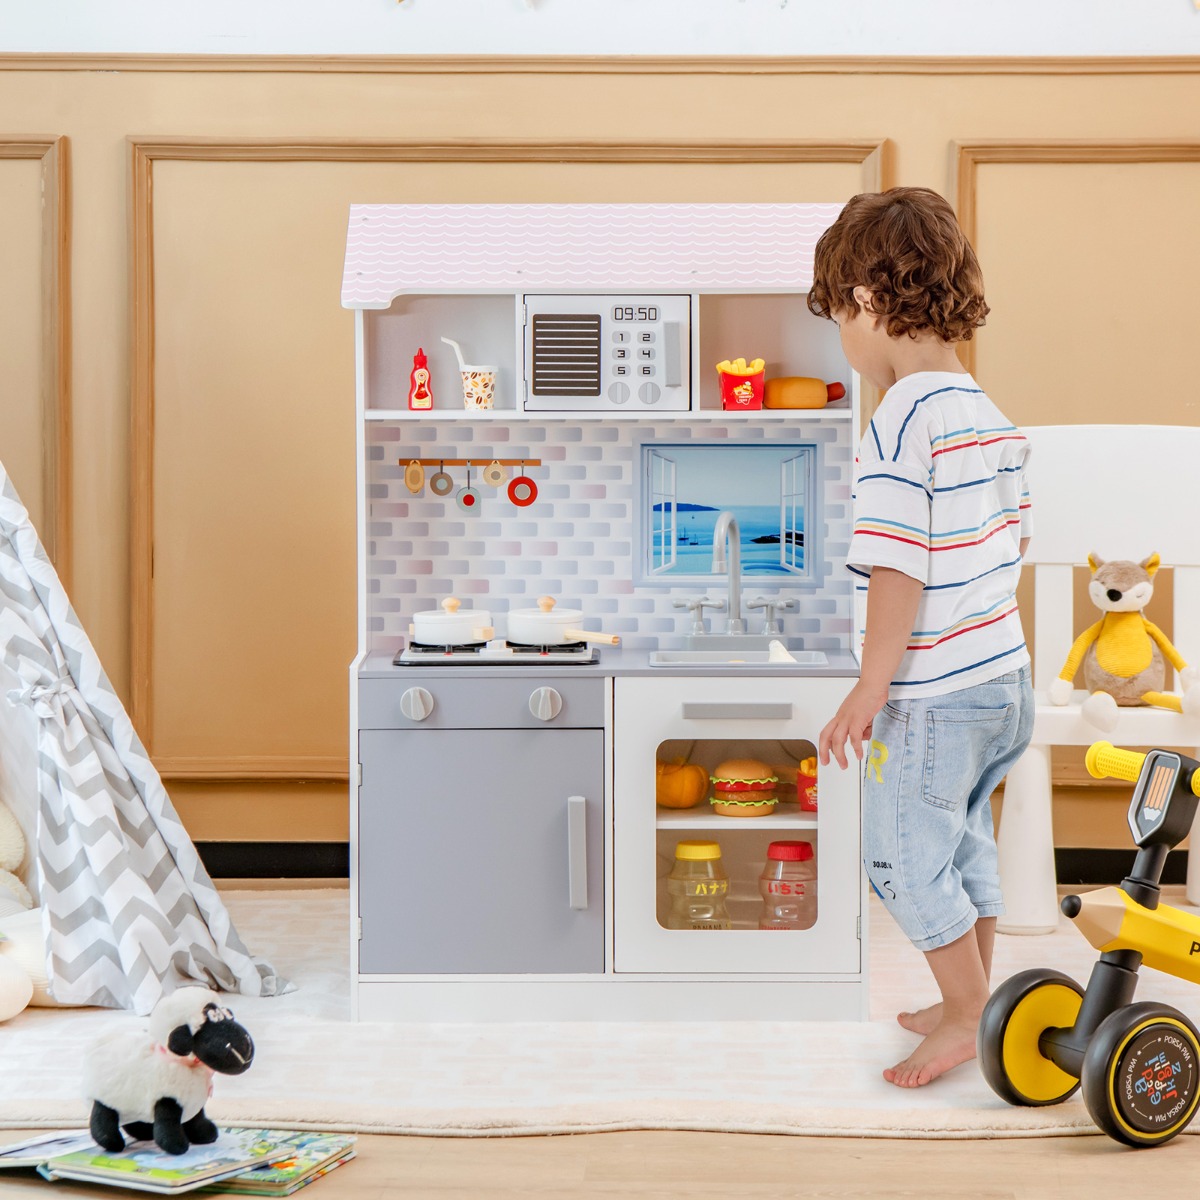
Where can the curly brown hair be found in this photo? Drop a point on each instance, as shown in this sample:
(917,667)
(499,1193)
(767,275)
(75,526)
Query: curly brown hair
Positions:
(906,248)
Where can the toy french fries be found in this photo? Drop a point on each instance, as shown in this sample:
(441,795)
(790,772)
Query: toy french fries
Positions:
(741,383)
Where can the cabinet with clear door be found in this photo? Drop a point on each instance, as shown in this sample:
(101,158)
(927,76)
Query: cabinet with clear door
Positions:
(737,728)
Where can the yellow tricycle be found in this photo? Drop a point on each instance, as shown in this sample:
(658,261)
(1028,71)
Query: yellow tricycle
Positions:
(1042,1035)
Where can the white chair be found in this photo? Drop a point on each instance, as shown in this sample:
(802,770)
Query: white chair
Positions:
(1124,491)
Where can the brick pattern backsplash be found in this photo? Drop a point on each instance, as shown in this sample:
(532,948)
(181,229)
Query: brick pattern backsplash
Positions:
(576,541)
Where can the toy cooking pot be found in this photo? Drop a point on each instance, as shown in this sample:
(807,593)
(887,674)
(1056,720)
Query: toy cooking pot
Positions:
(548,626)
(452,625)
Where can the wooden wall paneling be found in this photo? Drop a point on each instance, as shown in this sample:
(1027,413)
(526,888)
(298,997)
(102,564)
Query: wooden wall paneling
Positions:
(1076,824)
(872,157)
(970,155)
(54,292)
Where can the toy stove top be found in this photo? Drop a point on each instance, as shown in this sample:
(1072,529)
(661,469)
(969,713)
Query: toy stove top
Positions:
(495,653)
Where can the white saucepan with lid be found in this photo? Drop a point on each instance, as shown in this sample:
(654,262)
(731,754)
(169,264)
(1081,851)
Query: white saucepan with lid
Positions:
(452,625)
(550,626)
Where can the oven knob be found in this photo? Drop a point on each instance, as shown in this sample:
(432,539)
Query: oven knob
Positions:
(649,393)
(416,704)
(618,392)
(545,704)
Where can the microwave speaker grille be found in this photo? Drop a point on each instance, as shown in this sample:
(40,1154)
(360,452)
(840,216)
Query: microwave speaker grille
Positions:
(566,354)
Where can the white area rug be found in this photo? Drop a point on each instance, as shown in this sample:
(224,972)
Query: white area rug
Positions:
(315,1069)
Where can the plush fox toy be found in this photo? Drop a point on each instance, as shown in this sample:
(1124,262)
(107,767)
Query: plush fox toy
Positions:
(1122,654)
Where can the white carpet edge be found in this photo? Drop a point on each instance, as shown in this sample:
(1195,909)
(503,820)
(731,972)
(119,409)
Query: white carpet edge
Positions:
(936,1124)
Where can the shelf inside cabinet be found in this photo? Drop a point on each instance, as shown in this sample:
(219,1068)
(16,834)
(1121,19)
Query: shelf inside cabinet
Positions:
(785,816)
(776,327)
(485,327)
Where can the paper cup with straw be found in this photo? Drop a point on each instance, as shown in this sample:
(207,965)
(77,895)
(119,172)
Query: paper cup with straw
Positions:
(478,382)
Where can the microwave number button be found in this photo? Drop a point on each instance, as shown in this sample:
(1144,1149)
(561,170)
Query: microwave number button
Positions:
(620,369)
(620,353)
(621,335)
(646,371)
(618,392)
(646,336)
(649,393)
(646,353)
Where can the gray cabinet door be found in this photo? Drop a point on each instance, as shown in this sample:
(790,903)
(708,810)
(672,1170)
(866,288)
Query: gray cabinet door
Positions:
(463,851)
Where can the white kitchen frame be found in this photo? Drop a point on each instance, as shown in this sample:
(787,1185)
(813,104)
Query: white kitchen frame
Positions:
(649,712)
(395,251)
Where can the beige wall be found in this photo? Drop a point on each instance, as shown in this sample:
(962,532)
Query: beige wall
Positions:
(208,522)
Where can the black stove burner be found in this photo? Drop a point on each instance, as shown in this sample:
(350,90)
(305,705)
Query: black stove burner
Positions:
(556,648)
(463,648)
(477,651)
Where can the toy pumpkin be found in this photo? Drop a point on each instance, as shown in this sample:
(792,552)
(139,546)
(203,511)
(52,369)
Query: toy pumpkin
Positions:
(679,784)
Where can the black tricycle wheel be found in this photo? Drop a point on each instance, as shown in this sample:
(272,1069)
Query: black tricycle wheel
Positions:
(1141,1074)
(1020,1010)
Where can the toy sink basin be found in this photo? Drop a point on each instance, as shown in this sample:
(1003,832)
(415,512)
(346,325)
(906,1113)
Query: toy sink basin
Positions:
(736,658)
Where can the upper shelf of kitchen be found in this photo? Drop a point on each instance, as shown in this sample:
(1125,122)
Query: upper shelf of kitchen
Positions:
(587,311)
(839,411)
(587,357)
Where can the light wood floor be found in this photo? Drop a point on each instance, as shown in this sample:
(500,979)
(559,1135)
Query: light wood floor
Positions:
(711,1166)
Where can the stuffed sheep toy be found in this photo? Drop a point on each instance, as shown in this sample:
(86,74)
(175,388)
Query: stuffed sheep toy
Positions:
(1122,654)
(156,1083)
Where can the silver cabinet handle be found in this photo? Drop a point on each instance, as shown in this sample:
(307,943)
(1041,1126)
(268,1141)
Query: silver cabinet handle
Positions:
(577,851)
(726,711)
(545,703)
(416,704)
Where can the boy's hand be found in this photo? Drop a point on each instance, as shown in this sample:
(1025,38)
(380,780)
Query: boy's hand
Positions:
(852,722)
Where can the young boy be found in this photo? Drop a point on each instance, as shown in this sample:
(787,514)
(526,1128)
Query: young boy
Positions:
(941,521)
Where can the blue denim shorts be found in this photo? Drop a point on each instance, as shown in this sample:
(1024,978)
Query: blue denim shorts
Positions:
(928,777)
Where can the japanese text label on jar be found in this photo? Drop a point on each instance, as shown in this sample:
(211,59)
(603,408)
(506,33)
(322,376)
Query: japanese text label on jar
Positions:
(788,885)
(698,887)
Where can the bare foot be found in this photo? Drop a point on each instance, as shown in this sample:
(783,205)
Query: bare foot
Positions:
(948,1045)
(924,1021)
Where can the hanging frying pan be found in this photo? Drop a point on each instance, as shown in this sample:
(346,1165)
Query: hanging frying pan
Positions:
(494,474)
(414,477)
(522,491)
(440,483)
(467,498)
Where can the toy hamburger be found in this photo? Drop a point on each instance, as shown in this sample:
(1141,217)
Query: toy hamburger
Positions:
(743,787)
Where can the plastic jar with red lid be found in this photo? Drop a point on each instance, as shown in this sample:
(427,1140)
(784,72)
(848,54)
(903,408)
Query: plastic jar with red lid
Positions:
(788,885)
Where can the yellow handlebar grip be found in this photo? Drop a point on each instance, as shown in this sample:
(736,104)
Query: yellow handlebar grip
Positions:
(1105,761)
(1194,782)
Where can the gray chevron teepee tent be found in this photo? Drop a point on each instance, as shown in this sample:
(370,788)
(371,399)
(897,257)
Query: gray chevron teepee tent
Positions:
(128,910)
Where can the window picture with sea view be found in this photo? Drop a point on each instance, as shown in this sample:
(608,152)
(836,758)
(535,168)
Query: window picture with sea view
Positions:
(687,485)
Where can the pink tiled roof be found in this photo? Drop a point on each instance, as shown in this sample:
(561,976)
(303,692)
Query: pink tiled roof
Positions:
(394,248)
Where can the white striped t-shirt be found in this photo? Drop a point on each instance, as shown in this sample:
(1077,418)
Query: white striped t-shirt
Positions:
(941,495)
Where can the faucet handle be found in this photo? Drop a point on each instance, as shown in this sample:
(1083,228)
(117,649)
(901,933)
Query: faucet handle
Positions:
(771,623)
(696,606)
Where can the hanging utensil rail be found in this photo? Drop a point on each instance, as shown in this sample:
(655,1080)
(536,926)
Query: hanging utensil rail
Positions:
(471,462)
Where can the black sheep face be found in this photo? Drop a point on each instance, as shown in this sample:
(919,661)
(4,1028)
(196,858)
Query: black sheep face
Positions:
(220,1043)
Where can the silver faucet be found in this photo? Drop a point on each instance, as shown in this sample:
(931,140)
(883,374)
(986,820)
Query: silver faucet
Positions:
(726,530)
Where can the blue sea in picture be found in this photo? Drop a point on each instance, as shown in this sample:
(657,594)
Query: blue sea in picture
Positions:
(759,526)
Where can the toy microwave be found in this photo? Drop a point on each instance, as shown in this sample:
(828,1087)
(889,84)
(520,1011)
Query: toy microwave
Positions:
(596,353)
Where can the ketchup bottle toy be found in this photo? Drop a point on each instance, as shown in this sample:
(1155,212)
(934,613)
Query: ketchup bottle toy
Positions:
(420,392)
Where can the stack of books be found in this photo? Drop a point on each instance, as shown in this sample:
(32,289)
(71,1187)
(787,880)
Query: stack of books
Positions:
(251,1162)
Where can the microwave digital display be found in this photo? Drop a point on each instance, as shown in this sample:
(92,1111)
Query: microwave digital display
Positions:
(630,312)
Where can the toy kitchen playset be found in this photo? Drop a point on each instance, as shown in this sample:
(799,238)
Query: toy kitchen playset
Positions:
(605,460)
